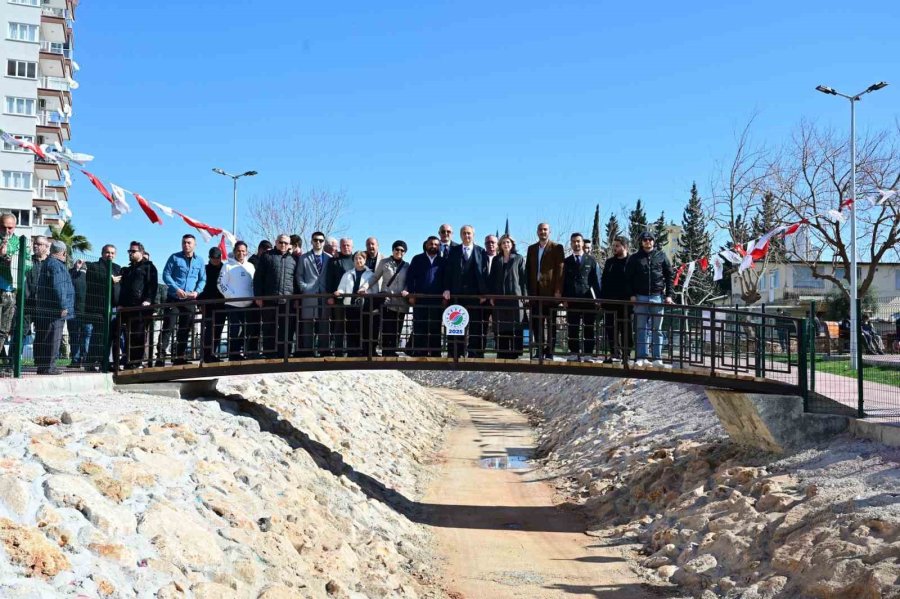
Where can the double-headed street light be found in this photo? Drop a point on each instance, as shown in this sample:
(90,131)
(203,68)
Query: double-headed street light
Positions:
(234,178)
(854,317)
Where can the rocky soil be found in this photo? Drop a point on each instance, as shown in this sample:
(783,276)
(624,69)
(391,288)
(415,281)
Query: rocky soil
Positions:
(649,462)
(299,485)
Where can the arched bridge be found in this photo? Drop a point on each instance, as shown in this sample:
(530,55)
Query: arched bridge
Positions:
(716,347)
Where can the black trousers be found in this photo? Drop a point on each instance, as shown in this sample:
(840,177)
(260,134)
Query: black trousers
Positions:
(272,315)
(392,322)
(136,327)
(237,330)
(213,325)
(471,344)
(427,328)
(617,326)
(580,318)
(47,341)
(179,321)
(359,331)
(543,325)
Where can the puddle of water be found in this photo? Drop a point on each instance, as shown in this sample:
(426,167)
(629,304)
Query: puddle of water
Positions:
(512,462)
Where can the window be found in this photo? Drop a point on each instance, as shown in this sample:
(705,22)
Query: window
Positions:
(26,2)
(23,217)
(803,279)
(762,283)
(23,32)
(775,279)
(897,280)
(8,147)
(15,180)
(24,106)
(21,68)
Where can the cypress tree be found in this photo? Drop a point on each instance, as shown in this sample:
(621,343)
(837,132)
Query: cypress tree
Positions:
(695,244)
(660,232)
(637,223)
(766,219)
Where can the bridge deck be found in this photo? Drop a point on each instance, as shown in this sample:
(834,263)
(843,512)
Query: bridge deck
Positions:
(691,375)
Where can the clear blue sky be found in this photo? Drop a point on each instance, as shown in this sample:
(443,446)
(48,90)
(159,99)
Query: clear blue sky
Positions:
(452,111)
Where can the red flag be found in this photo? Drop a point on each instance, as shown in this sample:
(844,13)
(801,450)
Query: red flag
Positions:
(793,228)
(704,263)
(150,212)
(207,231)
(760,252)
(222,248)
(678,274)
(740,249)
(99,185)
(846,204)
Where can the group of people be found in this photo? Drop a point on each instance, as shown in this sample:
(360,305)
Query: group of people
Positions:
(358,301)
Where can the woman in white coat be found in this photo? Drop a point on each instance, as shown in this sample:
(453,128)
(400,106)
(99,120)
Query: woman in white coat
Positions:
(358,313)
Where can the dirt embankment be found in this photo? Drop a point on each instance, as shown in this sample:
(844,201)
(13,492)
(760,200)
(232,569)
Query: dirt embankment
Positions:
(649,463)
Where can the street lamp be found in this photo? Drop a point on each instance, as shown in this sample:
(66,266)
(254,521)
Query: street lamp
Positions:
(234,178)
(854,317)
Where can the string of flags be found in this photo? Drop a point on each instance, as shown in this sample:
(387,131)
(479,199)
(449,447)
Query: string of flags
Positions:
(744,257)
(114,194)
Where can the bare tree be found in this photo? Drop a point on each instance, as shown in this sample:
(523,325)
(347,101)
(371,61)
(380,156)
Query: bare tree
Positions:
(295,210)
(737,192)
(813,176)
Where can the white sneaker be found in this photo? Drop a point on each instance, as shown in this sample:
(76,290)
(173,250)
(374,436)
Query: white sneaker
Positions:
(660,364)
(639,363)
(573,358)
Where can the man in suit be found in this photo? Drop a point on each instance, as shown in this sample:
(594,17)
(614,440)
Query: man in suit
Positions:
(580,280)
(545,277)
(466,277)
(309,278)
(425,275)
(445,232)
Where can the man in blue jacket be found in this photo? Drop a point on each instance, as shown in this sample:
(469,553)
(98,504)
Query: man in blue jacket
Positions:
(425,275)
(185,277)
(55,305)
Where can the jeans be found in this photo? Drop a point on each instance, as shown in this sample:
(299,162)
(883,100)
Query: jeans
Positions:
(81,339)
(648,322)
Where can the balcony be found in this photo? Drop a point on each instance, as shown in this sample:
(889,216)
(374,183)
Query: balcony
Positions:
(53,25)
(52,62)
(60,193)
(46,170)
(53,127)
(64,7)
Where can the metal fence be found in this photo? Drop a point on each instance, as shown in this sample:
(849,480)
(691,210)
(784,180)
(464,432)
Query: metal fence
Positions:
(873,389)
(37,338)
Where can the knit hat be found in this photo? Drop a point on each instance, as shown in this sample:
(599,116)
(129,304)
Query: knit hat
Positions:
(399,244)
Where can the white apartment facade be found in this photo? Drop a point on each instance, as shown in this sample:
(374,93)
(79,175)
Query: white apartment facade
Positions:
(36,43)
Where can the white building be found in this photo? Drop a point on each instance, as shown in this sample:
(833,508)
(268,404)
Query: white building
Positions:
(35,92)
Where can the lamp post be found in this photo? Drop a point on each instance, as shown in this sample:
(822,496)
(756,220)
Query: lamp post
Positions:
(854,317)
(234,178)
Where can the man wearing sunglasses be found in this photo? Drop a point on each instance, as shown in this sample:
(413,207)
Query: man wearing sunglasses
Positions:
(390,279)
(309,279)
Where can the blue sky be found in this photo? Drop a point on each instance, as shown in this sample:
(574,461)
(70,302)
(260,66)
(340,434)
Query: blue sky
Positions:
(452,111)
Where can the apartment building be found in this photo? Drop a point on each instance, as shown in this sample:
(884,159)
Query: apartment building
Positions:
(36,94)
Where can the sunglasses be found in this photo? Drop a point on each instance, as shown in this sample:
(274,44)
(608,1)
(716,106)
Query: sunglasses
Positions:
(400,250)
(134,251)
(318,240)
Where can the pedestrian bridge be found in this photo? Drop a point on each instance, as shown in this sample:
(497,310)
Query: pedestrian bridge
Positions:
(713,347)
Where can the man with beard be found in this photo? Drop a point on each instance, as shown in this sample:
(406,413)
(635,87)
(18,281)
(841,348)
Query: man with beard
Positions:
(213,314)
(545,277)
(137,288)
(98,300)
(309,278)
(425,275)
(339,264)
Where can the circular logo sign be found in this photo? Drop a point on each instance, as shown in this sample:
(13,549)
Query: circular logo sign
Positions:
(455,319)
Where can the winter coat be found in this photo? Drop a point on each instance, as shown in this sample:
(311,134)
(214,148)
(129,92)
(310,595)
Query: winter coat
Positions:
(349,280)
(79,281)
(384,274)
(337,266)
(508,279)
(649,274)
(97,280)
(614,282)
(211,288)
(580,280)
(55,291)
(275,274)
(138,285)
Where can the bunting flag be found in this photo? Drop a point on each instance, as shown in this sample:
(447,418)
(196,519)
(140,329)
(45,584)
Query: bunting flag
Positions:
(690,273)
(222,247)
(207,231)
(13,140)
(99,185)
(678,275)
(230,236)
(718,267)
(740,250)
(846,204)
(730,256)
(145,206)
(886,194)
(704,263)
(834,216)
(166,210)
(120,206)
(746,262)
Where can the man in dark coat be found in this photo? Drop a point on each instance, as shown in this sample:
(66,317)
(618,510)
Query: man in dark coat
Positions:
(274,276)
(580,280)
(425,275)
(79,332)
(138,287)
(99,298)
(339,264)
(616,317)
(55,305)
(465,276)
(40,251)
(649,278)
(213,314)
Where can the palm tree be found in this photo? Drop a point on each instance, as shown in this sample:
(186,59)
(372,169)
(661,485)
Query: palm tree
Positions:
(73,241)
